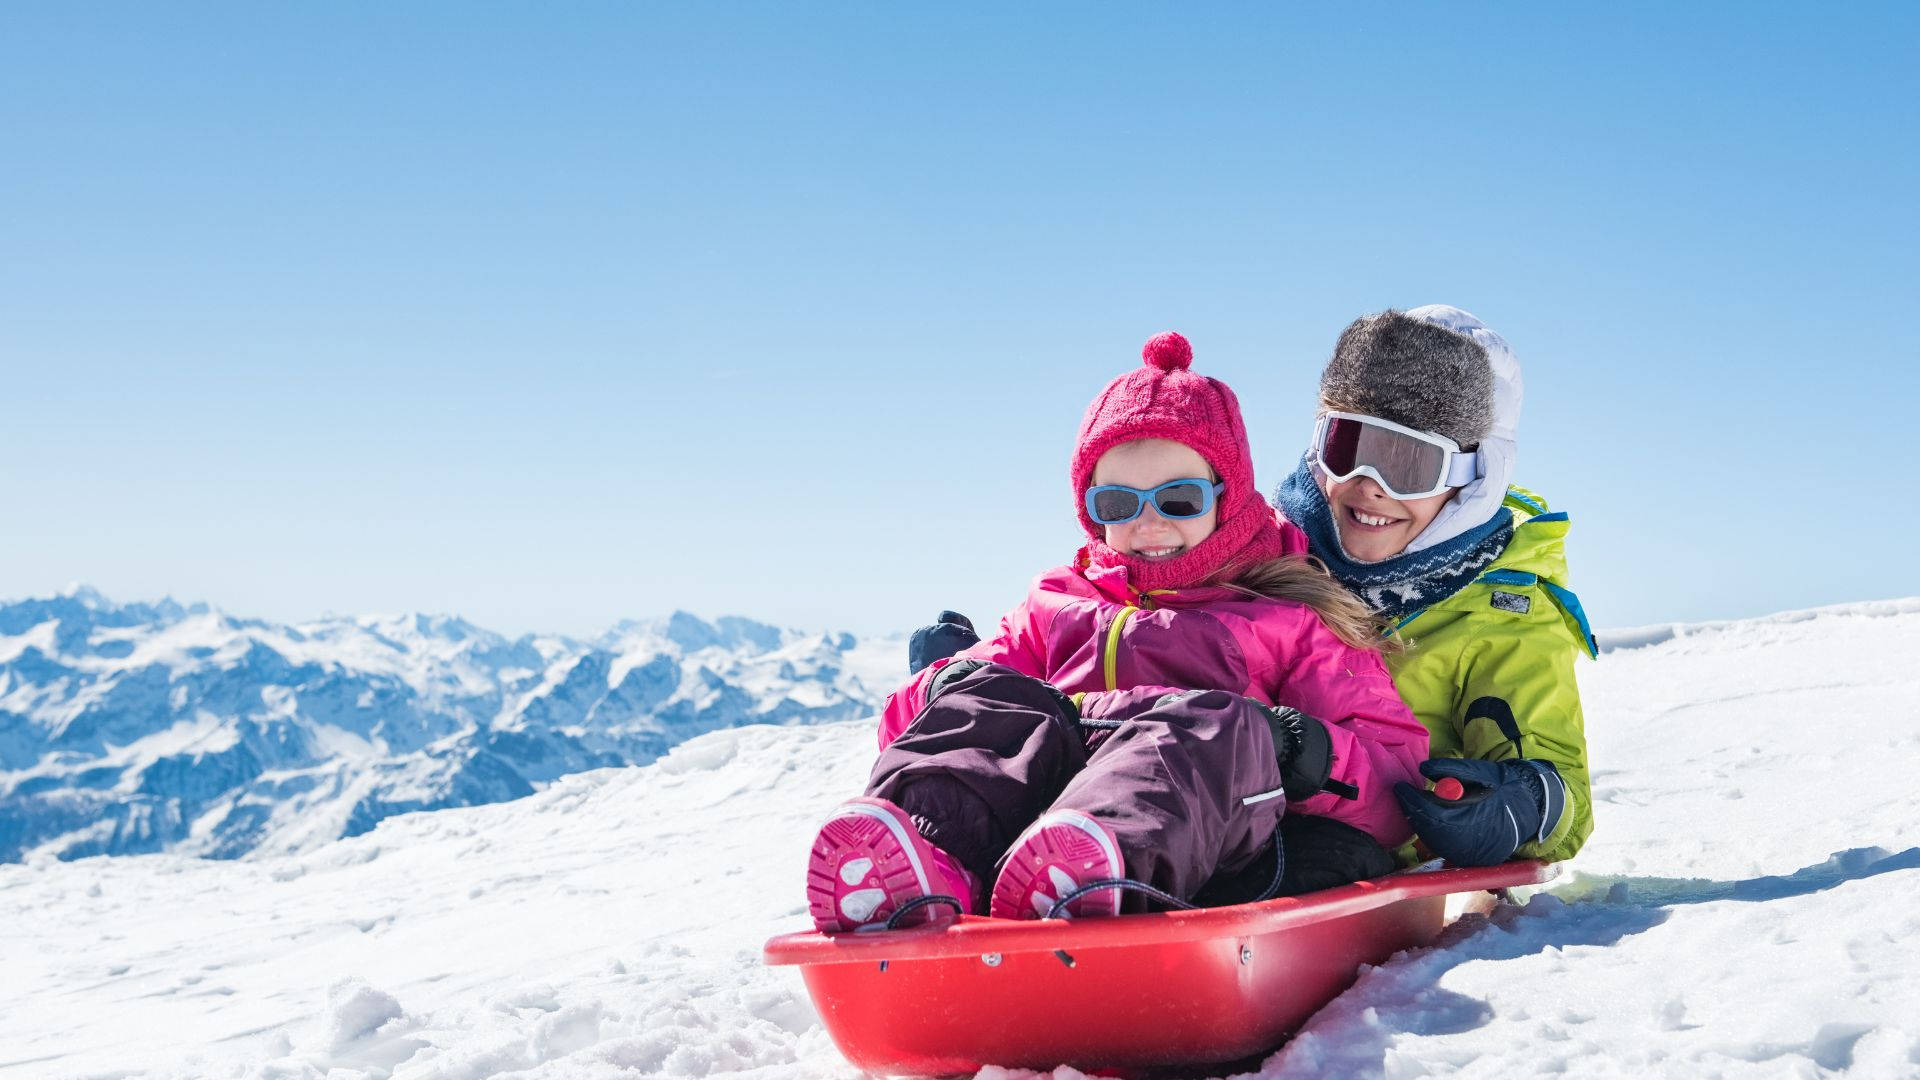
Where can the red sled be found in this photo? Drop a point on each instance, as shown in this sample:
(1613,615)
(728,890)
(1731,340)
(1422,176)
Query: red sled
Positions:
(1209,986)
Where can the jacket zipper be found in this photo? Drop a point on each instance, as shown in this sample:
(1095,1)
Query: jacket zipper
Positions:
(1110,656)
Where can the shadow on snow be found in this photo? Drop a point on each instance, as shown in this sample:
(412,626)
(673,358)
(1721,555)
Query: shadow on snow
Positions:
(1353,1034)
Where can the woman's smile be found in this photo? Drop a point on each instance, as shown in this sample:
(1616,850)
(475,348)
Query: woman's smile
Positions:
(1371,521)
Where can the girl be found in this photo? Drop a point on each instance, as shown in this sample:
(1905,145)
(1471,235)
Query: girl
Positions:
(1143,717)
(1403,494)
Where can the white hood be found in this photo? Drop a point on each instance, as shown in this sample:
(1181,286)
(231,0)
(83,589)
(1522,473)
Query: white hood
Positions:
(1473,504)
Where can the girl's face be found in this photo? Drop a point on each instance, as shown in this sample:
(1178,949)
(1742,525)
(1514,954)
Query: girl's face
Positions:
(1373,524)
(1147,463)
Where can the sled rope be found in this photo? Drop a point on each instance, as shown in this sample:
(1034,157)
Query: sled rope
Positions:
(1279,869)
(918,902)
(1059,906)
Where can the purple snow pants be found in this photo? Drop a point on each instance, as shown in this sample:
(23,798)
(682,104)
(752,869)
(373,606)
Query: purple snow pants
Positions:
(1187,782)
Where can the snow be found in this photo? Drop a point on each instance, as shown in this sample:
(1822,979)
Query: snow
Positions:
(39,637)
(1743,909)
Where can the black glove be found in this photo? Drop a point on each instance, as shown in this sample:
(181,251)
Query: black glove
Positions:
(1305,753)
(952,633)
(1506,804)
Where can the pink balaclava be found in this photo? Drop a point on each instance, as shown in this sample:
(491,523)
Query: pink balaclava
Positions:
(1164,400)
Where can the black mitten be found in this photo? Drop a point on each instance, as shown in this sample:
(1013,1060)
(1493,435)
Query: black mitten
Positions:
(1504,804)
(950,634)
(1305,753)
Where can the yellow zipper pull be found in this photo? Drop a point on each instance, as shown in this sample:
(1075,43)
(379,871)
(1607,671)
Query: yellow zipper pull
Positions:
(1110,656)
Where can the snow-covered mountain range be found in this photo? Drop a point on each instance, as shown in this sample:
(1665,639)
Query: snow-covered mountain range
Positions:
(131,728)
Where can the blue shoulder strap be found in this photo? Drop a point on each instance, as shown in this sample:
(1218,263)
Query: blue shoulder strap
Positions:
(1570,605)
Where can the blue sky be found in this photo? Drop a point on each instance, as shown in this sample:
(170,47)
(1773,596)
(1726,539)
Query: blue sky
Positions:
(554,315)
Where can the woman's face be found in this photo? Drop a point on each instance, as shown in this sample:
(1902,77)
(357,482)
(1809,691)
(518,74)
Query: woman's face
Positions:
(1147,463)
(1373,524)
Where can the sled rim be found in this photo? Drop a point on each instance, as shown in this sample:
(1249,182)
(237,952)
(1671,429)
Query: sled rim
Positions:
(976,935)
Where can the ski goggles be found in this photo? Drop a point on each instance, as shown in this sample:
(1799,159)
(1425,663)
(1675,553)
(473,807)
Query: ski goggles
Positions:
(1117,504)
(1409,464)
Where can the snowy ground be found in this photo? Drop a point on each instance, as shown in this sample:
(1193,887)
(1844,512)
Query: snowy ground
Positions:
(1745,908)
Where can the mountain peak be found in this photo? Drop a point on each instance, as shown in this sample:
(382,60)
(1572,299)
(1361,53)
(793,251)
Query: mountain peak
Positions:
(85,595)
(689,631)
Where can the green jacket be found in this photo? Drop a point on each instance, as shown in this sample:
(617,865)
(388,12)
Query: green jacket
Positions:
(1512,633)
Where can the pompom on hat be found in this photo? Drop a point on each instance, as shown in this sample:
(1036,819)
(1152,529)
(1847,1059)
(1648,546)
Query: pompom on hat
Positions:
(1164,399)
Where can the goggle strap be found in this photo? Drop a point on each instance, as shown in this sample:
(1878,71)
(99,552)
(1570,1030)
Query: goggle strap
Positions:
(1464,469)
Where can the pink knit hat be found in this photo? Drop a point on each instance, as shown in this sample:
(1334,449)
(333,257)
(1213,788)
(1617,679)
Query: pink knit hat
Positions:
(1163,400)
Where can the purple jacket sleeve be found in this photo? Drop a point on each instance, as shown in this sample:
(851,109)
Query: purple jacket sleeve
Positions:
(1377,741)
(1020,645)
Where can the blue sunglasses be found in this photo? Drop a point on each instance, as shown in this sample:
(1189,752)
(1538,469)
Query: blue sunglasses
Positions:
(1117,504)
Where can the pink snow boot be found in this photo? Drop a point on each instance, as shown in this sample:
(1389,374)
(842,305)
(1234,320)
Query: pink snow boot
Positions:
(1058,853)
(868,861)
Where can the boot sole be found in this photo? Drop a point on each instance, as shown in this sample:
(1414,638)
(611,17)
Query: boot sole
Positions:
(895,869)
(1064,849)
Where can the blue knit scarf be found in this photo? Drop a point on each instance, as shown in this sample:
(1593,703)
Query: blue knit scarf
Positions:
(1407,582)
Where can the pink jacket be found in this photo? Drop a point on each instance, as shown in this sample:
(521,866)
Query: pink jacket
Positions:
(1086,630)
